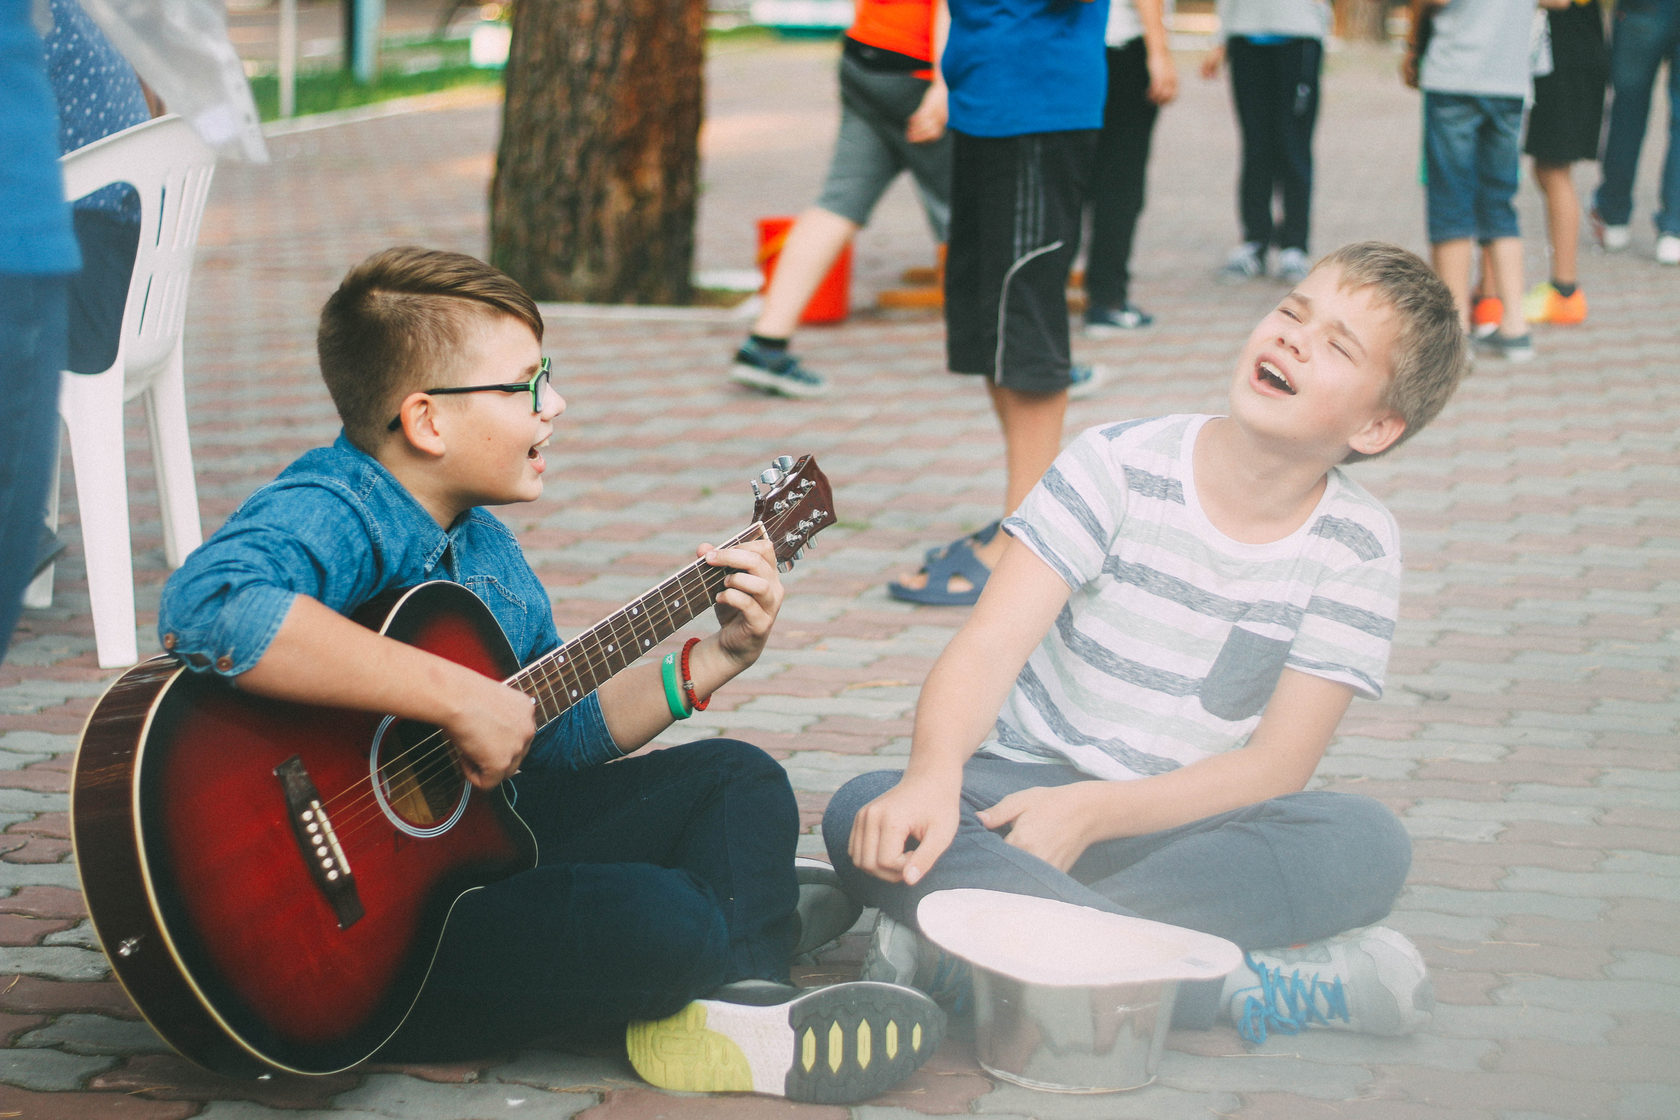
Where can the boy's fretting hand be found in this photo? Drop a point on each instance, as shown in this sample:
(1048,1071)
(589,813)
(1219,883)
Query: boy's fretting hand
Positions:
(750,600)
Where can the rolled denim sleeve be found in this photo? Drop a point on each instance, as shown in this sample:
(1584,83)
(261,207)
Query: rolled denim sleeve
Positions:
(222,608)
(577,740)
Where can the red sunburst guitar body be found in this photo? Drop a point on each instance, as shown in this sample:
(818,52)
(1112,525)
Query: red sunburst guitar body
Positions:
(204,893)
(270,880)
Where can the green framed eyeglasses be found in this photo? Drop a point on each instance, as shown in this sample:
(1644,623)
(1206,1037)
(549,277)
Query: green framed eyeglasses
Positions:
(539,381)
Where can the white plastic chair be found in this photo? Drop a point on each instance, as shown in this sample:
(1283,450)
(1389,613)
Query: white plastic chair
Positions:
(170,168)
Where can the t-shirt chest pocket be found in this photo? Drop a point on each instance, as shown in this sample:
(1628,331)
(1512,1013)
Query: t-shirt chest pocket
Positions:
(1244,675)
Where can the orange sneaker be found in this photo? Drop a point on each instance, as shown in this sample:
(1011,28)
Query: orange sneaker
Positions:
(1485,315)
(1543,304)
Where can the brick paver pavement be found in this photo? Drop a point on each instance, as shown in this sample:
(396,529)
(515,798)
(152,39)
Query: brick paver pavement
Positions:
(1528,738)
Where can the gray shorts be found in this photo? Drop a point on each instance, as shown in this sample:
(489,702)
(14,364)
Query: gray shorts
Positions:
(871,150)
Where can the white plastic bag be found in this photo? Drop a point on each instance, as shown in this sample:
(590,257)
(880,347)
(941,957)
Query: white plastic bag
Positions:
(180,48)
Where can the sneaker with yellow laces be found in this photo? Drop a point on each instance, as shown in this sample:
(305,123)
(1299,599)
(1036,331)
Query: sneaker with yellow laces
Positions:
(1545,304)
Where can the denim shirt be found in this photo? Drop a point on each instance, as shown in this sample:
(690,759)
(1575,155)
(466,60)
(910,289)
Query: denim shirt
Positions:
(338,527)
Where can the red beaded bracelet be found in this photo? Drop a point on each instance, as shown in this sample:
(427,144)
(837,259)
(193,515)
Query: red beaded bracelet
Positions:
(694,700)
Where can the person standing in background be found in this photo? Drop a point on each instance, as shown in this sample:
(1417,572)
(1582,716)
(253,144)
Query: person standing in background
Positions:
(38,256)
(1027,79)
(1275,49)
(892,119)
(1644,34)
(1141,79)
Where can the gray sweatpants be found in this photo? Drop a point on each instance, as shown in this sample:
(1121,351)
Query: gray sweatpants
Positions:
(1292,869)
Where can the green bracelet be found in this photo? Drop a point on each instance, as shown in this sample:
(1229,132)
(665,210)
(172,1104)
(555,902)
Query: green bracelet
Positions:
(673,690)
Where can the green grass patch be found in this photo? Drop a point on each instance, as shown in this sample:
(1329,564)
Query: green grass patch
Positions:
(405,70)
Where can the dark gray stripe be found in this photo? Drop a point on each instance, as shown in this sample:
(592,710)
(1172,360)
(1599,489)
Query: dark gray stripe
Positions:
(1359,540)
(1139,762)
(1107,662)
(1156,486)
(1030,535)
(1333,670)
(1369,622)
(1056,483)
(1163,586)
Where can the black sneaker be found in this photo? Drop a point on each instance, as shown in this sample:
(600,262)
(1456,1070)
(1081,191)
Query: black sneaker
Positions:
(1513,348)
(838,1044)
(1105,322)
(774,372)
(825,910)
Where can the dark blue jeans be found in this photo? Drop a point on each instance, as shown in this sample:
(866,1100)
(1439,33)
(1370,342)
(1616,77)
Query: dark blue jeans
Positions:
(1645,33)
(33,328)
(1118,181)
(1296,868)
(1275,89)
(660,877)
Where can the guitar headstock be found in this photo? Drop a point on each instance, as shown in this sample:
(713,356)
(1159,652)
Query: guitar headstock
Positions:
(797,505)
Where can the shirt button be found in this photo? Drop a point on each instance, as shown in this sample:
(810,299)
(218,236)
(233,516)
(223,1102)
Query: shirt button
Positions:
(224,663)
(169,640)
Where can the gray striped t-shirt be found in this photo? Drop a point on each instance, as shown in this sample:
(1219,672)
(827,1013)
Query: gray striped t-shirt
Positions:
(1175,635)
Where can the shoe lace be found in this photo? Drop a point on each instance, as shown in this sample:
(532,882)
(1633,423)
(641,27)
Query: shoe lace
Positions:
(1289,1003)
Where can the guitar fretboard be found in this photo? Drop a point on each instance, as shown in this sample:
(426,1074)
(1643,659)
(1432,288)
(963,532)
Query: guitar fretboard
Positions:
(560,679)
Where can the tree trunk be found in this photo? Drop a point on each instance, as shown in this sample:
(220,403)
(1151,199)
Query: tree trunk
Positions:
(597,174)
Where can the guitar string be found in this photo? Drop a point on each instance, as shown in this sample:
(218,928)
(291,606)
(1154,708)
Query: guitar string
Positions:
(435,759)
(428,760)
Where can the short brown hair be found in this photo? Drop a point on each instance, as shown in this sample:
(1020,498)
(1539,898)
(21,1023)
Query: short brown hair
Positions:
(395,325)
(1431,352)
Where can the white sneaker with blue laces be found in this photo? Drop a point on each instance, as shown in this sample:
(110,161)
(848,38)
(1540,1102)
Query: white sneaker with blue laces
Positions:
(1369,980)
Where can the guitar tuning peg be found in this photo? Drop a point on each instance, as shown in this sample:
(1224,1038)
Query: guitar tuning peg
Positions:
(771,477)
(757,494)
(785,463)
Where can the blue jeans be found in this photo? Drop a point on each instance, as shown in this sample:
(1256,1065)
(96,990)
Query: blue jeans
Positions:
(1645,33)
(1471,148)
(33,329)
(660,877)
(1296,868)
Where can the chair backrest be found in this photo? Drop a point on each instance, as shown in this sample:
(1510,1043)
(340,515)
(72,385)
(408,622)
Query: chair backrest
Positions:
(170,168)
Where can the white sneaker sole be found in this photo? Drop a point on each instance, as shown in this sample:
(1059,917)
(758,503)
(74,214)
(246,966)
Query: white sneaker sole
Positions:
(834,1045)
(743,374)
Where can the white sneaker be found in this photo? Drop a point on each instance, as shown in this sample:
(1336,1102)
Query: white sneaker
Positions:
(825,910)
(1369,980)
(897,954)
(1668,249)
(1293,266)
(1085,380)
(1246,262)
(1613,238)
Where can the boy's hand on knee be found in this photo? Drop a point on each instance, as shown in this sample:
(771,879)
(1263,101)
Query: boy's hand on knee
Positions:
(885,829)
(1050,822)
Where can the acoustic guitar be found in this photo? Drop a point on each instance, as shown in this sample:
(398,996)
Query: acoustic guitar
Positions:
(270,880)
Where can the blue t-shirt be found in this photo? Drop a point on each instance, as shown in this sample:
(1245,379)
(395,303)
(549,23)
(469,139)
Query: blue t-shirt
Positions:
(35,236)
(338,527)
(1018,67)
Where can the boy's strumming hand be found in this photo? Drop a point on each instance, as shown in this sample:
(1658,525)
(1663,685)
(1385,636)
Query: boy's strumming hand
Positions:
(494,730)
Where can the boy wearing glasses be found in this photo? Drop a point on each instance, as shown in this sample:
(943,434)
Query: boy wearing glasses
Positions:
(665,893)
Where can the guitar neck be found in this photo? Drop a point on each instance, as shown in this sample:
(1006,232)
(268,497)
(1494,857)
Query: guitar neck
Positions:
(559,679)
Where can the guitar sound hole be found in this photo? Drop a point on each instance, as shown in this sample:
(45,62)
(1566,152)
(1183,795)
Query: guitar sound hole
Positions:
(418,776)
